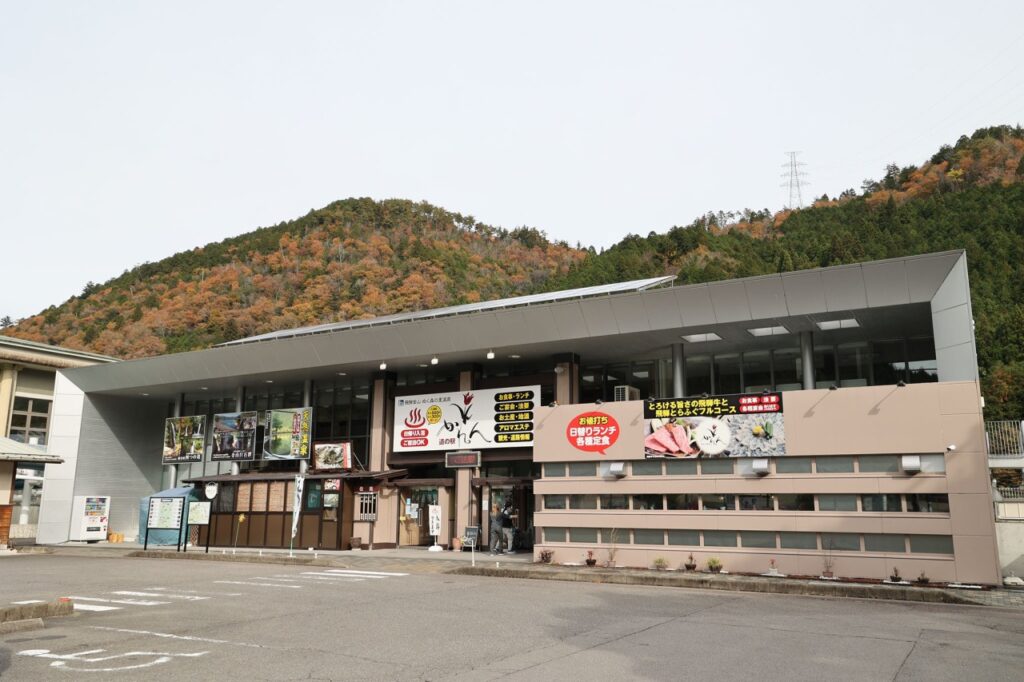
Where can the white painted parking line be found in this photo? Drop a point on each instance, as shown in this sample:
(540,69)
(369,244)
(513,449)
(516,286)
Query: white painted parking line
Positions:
(366,573)
(165,595)
(29,601)
(243,582)
(187,638)
(95,607)
(132,602)
(331,576)
(211,594)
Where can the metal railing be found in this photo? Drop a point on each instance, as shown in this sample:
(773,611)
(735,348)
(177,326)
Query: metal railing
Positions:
(1005,438)
(1011,493)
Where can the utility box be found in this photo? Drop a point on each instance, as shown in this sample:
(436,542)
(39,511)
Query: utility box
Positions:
(90,515)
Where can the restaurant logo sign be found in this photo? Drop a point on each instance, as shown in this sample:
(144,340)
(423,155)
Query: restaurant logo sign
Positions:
(488,418)
(736,425)
(592,432)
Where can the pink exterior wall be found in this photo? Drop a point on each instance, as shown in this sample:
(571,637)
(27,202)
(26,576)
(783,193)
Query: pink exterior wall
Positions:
(884,420)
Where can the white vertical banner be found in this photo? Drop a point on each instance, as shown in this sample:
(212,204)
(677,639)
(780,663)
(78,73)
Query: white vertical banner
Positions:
(434,519)
(297,504)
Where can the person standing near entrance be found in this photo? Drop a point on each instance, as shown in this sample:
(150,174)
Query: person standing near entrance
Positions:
(506,526)
(497,523)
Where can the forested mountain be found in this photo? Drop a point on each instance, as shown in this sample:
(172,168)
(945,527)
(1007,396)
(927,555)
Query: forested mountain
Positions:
(360,258)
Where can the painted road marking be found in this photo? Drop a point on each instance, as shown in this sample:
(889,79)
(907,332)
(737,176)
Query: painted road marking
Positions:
(243,582)
(95,607)
(366,573)
(333,578)
(186,638)
(133,602)
(29,601)
(212,594)
(81,657)
(165,595)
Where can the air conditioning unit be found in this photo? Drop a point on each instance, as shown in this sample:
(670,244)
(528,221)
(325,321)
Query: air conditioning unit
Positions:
(613,470)
(911,464)
(760,466)
(626,393)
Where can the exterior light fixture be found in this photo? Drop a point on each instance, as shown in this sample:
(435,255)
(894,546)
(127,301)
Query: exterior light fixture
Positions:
(434,360)
(144,395)
(490,355)
(701,338)
(901,383)
(829,325)
(515,357)
(383,366)
(833,387)
(268,381)
(778,330)
(599,402)
(203,388)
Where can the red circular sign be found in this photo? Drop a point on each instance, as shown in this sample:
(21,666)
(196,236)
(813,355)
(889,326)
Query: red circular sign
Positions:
(592,431)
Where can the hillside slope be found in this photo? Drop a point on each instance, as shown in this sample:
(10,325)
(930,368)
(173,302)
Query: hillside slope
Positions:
(361,258)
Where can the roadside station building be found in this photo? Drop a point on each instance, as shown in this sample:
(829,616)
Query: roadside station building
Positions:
(827,419)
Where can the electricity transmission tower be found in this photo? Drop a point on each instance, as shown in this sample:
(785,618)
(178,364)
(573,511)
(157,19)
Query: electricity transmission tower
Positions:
(795,180)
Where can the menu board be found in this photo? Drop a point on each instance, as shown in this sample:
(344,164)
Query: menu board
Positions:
(287,433)
(199,513)
(165,512)
(184,439)
(485,418)
(234,437)
(735,425)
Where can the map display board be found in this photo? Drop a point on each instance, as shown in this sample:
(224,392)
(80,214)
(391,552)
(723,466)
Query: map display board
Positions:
(165,512)
(483,418)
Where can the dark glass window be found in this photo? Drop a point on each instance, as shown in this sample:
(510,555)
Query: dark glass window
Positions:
(681,467)
(582,468)
(874,542)
(647,467)
(644,536)
(882,464)
(716,466)
(758,538)
(583,502)
(614,502)
(592,384)
(647,502)
(756,503)
(937,504)
(798,540)
(834,465)
(719,538)
(788,370)
(854,361)
(880,503)
(718,502)
(727,373)
(921,365)
(797,502)
(757,371)
(824,366)
(793,465)
(841,542)
(888,362)
(554,502)
(682,501)
(698,374)
(684,537)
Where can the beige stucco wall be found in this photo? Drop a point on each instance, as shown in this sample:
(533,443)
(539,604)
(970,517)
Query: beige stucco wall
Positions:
(915,419)
(1011,547)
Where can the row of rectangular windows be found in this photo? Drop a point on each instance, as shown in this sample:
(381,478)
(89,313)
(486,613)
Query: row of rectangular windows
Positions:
(927,503)
(840,542)
(834,464)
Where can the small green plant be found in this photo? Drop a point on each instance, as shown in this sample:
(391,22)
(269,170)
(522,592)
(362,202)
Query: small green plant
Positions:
(923,579)
(714,564)
(546,555)
(660,563)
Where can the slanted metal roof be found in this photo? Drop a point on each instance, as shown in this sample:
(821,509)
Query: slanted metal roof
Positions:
(14,344)
(499,304)
(13,451)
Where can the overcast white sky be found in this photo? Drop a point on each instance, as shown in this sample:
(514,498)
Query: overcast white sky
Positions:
(133,130)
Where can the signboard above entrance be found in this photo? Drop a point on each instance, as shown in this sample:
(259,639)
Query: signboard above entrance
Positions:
(484,418)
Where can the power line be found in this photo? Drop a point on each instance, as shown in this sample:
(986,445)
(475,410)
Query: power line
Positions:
(795,180)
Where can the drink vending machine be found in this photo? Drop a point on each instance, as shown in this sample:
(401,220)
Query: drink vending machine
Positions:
(90,515)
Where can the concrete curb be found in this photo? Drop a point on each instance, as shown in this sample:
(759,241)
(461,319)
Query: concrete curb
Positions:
(236,558)
(10,616)
(21,625)
(722,582)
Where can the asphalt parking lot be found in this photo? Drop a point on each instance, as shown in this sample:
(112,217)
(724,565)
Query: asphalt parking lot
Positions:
(144,619)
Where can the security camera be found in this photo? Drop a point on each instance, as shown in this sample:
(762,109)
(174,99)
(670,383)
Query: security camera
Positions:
(950,448)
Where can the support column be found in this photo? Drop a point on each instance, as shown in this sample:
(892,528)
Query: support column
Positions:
(381,409)
(567,378)
(239,406)
(26,499)
(307,400)
(8,382)
(678,373)
(807,359)
(463,477)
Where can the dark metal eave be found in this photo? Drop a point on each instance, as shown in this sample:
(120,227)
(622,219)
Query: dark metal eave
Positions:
(289,476)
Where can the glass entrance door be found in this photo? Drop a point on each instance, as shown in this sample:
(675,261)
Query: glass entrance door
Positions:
(413,524)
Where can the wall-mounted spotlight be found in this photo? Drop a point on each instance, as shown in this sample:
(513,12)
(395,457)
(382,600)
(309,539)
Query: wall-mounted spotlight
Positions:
(901,383)
(383,366)
(833,387)
(704,394)
(490,355)
(434,360)
(599,402)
